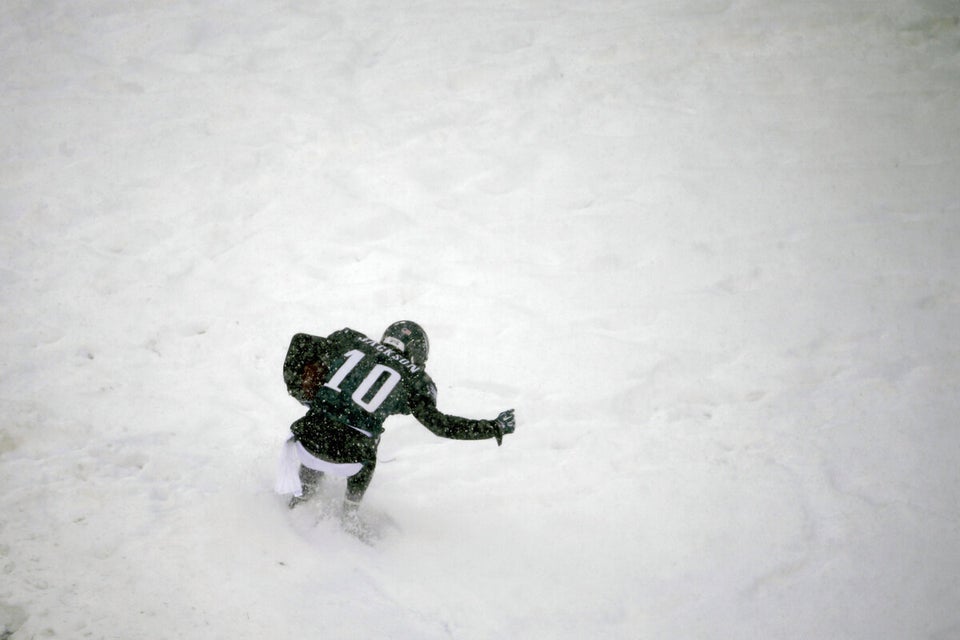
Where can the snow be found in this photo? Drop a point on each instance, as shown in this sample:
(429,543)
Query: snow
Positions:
(708,249)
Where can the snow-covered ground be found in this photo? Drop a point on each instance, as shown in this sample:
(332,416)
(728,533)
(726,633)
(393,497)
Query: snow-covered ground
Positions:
(708,249)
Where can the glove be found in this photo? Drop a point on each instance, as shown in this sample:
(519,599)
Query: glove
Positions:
(504,424)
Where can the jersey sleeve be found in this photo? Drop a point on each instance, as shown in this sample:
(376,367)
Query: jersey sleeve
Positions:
(423,406)
(304,367)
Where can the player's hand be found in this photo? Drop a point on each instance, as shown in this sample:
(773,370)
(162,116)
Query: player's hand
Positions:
(505,424)
(506,421)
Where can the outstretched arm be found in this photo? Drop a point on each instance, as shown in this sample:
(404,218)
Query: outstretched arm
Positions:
(456,428)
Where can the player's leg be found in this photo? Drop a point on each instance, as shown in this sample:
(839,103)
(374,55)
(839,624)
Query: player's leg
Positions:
(357,484)
(310,480)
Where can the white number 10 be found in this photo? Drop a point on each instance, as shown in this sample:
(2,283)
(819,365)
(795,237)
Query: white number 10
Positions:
(353,359)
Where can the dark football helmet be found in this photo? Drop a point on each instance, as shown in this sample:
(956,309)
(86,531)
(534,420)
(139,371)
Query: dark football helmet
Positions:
(409,338)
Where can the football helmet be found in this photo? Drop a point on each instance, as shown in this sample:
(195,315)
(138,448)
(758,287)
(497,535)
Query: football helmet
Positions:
(409,338)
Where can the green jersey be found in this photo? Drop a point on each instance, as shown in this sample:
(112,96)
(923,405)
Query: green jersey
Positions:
(356,381)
